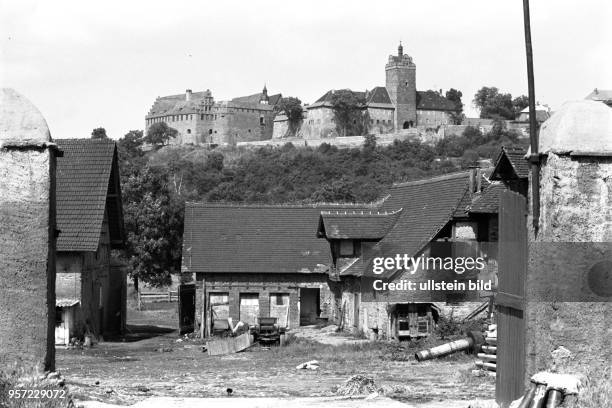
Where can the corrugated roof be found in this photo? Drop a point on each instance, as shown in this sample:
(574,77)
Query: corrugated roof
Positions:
(353,224)
(84,189)
(255,239)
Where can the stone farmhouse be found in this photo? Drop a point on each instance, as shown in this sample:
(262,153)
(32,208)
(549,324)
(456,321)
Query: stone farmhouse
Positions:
(90,288)
(391,108)
(199,119)
(308,263)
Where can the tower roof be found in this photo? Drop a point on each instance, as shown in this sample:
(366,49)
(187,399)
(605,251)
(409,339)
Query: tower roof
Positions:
(21,123)
(578,127)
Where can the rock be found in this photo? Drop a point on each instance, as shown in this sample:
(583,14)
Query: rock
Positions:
(561,353)
(109,390)
(53,375)
(309,365)
(97,382)
(179,340)
(142,388)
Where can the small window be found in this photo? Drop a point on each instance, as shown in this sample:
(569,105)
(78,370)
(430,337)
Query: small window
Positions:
(188,131)
(347,247)
(262,121)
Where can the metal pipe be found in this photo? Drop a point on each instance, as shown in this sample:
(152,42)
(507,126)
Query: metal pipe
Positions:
(534,159)
(538,397)
(555,397)
(444,349)
(528,397)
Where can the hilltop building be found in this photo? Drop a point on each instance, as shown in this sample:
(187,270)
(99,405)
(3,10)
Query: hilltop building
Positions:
(199,119)
(391,108)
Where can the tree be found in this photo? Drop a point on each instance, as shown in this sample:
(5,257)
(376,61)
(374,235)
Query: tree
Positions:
(350,113)
(159,134)
(154,224)
(131,156)
(292,108)
(454,95)
(493,104)
(99,133)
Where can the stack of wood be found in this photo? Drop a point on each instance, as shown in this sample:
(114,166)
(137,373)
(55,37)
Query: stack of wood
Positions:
(488,357)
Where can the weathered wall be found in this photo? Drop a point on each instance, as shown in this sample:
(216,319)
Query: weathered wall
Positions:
(264,285)
(319,124)
(432,118)
(27,251)
(381,120)
(576,207)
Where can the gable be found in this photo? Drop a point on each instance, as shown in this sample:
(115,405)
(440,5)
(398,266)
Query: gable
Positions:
(87,184)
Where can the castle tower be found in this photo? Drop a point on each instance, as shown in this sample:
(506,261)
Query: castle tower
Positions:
(401,86)
(264,96)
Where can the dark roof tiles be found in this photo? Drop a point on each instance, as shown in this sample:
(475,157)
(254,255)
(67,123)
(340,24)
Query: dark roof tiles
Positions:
(83,176)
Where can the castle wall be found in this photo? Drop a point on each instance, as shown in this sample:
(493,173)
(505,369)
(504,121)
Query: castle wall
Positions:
(381,120)
(433,118)
(319,123)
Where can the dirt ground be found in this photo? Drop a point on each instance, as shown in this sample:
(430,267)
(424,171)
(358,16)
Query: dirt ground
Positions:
(150,362)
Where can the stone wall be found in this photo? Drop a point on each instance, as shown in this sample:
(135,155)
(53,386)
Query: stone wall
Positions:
(576,207)
(27,251)
(433,118)
(319,124)
(264,285)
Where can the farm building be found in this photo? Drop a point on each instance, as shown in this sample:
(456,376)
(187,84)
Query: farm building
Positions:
(258,261)
(308,263)
(90,286)
(446,216)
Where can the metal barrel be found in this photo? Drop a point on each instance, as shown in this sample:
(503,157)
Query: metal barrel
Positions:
(444,349)
(526,401)
(539,396)
(554,399)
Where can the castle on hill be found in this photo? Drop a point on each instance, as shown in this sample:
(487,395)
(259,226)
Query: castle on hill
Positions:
(391,108)
(199,119)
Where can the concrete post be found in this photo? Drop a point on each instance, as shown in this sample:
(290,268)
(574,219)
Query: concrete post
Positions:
(27,234)
(569,277)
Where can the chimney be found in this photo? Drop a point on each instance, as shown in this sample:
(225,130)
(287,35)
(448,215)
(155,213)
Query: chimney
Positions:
(475,183)
(188,95)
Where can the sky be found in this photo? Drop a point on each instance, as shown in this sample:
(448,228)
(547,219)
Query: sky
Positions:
(102,64)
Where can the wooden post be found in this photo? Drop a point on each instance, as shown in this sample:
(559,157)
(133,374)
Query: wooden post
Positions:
(203,331)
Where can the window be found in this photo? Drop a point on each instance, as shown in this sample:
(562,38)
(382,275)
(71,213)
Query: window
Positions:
(347,247)
(279,299)
(188,131)
(58,316)
(262,121)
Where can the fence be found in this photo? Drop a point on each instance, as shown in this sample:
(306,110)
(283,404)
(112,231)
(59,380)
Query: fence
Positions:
(155,297)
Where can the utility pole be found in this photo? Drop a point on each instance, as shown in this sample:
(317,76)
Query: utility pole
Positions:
(534,158)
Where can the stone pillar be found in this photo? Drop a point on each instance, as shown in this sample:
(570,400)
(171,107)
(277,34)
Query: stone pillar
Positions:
(569,277)
(27,236)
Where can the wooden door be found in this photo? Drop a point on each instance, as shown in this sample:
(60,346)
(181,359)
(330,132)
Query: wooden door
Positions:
(187,297)
(510,299)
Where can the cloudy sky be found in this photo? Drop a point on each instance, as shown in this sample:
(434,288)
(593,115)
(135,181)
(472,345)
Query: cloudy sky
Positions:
(89,64)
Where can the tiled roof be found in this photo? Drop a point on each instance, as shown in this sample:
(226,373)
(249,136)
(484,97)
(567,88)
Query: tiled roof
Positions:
(513,157)
(176,104)
(327,98)
(378,95)
(431,100)
(351,224)
(488,200)
(84,191)
(427,205)
(255,98)
(255,239)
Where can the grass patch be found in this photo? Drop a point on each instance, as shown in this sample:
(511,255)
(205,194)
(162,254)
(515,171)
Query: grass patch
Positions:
(21,378)
(596,391)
